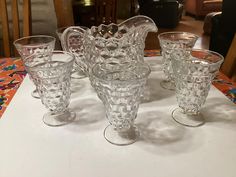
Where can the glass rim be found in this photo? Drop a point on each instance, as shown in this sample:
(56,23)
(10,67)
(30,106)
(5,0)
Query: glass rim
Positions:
(152,27)
(16,42)
(161,35)
(34,68)
(58,30)
(192,58)
(218,55)
(141,64)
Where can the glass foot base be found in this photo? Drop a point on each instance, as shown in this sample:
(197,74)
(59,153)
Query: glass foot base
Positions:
(167,85)
(55,120)
(121,138)
(78,75)
(187,120)
(35,94)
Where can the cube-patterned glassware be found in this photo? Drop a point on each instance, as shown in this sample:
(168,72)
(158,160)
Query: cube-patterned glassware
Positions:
(193,77)
(120,89)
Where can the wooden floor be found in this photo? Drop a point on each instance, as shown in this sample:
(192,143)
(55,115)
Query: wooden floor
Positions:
(187,24)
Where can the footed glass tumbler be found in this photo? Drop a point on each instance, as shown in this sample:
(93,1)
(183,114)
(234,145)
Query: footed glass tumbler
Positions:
(52,78)
(120,90)
(29,45)
(193,77)
(171,42)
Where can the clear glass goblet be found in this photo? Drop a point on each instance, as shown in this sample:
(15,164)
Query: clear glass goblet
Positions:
(193,78)
(52,76)
(75,45)
(171,42)
(120,90)
(29,45)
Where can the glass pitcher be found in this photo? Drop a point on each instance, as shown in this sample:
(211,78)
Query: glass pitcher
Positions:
(119,44)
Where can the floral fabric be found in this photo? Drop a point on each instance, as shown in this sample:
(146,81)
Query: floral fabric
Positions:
(226,86)
(12,73)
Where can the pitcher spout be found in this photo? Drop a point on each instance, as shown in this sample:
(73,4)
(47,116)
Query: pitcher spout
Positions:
(141,24)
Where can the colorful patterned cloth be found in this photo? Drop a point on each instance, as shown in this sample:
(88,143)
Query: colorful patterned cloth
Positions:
(225,85)
(152,53)
(12,73)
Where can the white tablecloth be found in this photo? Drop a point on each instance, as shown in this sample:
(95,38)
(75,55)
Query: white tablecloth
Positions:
(29,148)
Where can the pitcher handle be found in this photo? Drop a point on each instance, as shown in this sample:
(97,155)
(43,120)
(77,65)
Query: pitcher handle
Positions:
(72,31)
(72,40)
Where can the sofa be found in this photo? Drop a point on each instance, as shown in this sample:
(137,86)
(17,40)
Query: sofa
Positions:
(200,8)
(223,28)
(165,13)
